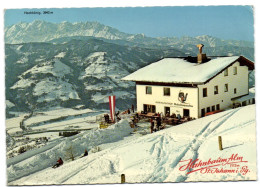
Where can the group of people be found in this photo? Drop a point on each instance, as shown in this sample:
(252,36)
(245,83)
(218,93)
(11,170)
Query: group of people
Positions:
(173,115)
(60,161)
(156,123)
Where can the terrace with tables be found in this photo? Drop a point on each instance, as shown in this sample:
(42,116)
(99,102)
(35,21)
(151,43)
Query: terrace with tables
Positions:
(168,119)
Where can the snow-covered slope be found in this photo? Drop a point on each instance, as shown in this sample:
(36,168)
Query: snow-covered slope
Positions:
(47,81)
(159,157)
(73,73)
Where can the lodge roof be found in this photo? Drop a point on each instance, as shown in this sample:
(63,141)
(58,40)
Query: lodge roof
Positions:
(181,71)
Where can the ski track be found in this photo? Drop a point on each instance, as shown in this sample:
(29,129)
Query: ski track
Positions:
(75,172)
(13,161)
(161,173)
(160,153)
(198,141)
(86,165)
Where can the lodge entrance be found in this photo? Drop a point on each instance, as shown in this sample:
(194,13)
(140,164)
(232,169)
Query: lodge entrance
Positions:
(186,112)
(203,112)
(149,108)
(167,110)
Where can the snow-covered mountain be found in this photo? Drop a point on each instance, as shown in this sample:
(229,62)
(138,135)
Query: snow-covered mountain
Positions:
(40,75)
(48,80)
(67,64)
(41,31)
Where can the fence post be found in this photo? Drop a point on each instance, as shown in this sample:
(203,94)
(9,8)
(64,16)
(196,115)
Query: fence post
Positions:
(122,178)
(220,143)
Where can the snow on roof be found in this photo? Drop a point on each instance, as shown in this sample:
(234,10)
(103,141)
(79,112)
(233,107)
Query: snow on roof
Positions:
(177,70)
(251,95)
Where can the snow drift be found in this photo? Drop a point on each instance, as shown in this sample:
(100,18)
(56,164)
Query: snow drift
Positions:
(36,160)
(155,157)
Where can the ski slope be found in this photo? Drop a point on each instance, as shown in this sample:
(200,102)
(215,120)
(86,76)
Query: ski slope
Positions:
(153,158)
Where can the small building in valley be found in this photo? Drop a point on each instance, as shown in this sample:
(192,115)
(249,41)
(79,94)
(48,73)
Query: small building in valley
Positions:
(192,86)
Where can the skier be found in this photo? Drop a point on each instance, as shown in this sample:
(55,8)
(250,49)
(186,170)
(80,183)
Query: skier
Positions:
(58,164)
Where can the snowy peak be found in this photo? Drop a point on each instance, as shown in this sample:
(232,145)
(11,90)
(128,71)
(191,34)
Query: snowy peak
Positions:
(212,42)
(41,31)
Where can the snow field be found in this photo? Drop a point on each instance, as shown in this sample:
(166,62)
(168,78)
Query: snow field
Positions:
(36,160)
(57,113)
(152,158)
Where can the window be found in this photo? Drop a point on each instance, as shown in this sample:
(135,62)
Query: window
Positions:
(205,94)
(166,91)
(213,108)
(234,70)
(235,90)
(148,90)
(218,107)
(149,108)
(215,90)
(208,109)
(226,72)
(226,88)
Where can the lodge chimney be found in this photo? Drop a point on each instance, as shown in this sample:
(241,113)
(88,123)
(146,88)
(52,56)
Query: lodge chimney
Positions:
(201,57)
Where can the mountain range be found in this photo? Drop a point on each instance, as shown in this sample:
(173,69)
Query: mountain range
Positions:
(69,64)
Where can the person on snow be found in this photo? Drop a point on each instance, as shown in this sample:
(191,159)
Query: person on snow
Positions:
(137,116)
(133,108)
(117,116)
(58,164)
(106,116)
(85,153)
(152,125)
(158,123)
(133,120)
(155,126)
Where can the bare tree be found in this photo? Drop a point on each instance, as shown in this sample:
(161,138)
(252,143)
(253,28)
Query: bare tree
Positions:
(69,154)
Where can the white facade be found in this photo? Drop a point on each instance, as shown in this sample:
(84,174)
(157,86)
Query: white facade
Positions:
(173,101)
(237,86)
(194,101)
